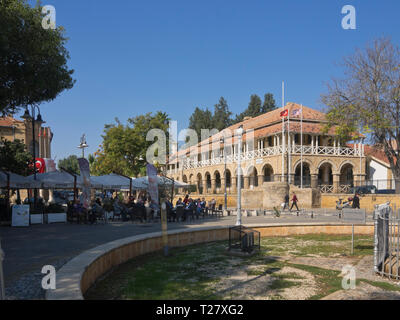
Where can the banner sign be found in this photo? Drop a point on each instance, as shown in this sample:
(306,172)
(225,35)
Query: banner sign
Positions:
(85,174)
(153,183)
(20,216)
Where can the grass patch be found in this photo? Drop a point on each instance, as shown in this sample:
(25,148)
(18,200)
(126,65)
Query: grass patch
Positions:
(192,272)
(382,285)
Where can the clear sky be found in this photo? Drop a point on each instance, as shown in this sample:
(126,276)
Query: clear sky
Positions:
(132,57)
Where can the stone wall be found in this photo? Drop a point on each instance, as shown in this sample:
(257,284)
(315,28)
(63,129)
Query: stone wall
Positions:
(308,198)
(367,201)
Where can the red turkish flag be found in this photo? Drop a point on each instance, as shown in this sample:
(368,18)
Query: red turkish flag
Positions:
(285,113)
(40,165)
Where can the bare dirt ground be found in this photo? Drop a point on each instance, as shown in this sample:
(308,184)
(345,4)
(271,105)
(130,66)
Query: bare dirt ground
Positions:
(292,268)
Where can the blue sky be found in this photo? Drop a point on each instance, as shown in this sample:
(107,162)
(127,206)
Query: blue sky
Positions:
(132,57)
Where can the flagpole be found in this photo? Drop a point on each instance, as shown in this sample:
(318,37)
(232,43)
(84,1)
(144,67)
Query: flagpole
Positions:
(289,147)
(301,152)
(283,131)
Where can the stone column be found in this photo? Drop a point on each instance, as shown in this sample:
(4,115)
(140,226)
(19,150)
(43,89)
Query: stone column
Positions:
(246,182)
(213,186)
(205,186)
(223,182)
(234,185)
(336,182)
(314,181)
(260,180)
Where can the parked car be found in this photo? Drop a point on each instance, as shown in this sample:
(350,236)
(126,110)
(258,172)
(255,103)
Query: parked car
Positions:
(363,190)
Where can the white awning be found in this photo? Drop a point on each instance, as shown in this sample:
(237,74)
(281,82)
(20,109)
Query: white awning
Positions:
(57,180)
(17,181)
(163,182)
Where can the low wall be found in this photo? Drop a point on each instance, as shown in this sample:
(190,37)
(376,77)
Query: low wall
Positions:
(80,273)
(367,201)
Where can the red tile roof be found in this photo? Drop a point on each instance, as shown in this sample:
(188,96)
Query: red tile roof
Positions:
(8,121)
(271,123)
(377,152)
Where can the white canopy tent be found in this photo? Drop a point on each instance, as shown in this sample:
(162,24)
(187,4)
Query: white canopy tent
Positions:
(57,180)
(112,181)
(17,181)
(163,181)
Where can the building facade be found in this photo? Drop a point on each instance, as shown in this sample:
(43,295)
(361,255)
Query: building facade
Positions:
(12,129)
(294,149)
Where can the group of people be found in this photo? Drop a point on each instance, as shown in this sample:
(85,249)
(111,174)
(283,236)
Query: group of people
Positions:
(286,204)
(193,206)
(144,208)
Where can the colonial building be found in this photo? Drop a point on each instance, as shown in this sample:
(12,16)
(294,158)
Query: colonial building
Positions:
(295,151)
(12,129)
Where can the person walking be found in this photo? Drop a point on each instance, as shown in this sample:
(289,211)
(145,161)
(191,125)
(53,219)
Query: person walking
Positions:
(356,202)
(286,203)
(294,202)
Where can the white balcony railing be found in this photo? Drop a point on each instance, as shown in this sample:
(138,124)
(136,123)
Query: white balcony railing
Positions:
(272,151)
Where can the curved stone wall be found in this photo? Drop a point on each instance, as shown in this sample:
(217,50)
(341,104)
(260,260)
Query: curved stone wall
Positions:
(80,273)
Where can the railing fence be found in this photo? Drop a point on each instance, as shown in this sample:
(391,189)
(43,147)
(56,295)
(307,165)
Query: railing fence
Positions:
(387,241)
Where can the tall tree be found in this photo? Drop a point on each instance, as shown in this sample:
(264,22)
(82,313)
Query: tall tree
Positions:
(201,119)
(70,163)
(33,60)
(124,147)
(269,103)
(15,158)
(367,99)
(222,115)
(253,109)
(256,107)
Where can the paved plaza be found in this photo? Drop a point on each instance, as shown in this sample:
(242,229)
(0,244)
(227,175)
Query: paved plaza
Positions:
(27,250)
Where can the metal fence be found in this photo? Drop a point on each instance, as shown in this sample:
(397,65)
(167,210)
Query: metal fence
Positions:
(387,241)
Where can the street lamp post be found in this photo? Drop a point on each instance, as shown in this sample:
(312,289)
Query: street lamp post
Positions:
(239,133)
(83,145)
(222,140)
(39,119)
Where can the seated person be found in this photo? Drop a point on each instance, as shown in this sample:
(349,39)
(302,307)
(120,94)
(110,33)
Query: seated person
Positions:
(120,209)
(180,203)
(190,207)
(96,211)
(155,207)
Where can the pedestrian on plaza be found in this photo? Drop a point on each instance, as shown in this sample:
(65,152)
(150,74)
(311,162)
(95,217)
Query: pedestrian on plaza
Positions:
(356,202)
(286,202)
(294,202)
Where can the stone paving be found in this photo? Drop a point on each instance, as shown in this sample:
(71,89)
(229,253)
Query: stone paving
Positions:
(27,250)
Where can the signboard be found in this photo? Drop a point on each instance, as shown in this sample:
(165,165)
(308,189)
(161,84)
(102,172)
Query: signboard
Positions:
(354,216)
(20,216)
(85,174)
